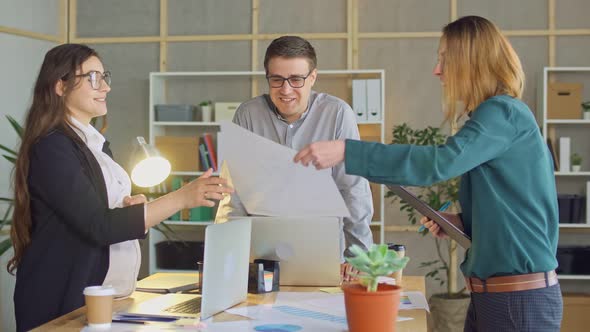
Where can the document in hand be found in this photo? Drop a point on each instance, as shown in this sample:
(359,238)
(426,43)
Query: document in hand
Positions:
(269,183)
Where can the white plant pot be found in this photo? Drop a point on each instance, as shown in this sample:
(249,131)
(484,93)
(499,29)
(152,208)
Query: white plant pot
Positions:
(587,115)
(206,113)
(576,168)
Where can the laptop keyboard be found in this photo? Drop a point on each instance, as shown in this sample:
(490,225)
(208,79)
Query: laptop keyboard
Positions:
(192,306)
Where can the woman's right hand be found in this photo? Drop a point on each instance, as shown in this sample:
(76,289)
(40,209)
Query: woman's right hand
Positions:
(435,229)
(204,190)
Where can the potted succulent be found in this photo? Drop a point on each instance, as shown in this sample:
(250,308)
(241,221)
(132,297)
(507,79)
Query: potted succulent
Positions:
(576,160)
(586,110)
(448,309)
(371,306)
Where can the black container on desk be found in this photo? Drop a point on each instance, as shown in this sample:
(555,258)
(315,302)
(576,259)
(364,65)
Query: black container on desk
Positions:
(256,283)
(179,255)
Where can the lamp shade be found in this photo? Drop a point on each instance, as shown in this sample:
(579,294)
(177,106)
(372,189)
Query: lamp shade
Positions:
(148,167)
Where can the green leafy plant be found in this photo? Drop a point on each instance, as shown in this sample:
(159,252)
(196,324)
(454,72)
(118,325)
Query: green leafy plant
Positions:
(586,106)
(435,195)
(10,156)
(376,262)
(205,103)
(576,159)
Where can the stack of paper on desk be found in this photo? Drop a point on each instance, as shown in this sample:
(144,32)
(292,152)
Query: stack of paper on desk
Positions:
(269,183)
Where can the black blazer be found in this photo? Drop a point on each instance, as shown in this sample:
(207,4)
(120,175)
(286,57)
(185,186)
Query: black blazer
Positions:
(72,229)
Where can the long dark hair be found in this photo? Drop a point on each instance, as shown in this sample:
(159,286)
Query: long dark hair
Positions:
(47,113)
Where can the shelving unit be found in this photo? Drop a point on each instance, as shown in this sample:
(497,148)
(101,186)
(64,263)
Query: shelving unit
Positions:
(194,87)
(578,129)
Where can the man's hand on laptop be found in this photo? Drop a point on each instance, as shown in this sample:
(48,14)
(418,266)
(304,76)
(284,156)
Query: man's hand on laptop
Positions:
(347,272)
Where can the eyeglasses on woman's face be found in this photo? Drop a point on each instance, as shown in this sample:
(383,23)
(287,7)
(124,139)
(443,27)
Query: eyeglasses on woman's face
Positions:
(95,78)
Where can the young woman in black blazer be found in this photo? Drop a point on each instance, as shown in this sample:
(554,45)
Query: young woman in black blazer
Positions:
(62,224)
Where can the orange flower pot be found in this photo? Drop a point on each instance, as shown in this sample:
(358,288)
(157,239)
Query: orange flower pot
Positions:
(371,311)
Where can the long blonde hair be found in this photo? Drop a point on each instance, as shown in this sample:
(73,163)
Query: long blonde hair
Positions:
(479,63)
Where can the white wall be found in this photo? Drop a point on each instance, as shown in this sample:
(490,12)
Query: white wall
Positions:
(20,59)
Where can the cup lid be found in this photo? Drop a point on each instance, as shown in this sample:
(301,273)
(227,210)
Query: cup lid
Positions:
(396,247)
(99,290)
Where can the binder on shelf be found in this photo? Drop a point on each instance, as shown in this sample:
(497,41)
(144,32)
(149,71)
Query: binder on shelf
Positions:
(359,100)
(564,154)
(553,154)
(374,110)
(208,139)
(204,157)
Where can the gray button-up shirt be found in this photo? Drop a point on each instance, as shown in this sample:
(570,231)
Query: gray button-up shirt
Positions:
(326,118)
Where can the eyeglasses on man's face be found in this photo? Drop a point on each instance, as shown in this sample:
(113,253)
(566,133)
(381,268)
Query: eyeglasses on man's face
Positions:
(95,78)
(276,81)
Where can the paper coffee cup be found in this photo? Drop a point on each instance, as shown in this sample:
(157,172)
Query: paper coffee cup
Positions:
(99,306)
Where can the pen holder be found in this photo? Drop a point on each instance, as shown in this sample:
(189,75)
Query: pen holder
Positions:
(263,276)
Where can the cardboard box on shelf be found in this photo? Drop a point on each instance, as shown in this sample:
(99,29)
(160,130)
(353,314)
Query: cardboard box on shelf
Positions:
(181,152)
(564,101)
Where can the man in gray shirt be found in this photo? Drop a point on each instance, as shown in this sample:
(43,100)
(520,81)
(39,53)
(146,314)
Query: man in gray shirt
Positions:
(293,115)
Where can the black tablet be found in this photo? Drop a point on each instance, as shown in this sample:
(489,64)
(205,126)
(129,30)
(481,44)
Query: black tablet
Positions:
(452,230)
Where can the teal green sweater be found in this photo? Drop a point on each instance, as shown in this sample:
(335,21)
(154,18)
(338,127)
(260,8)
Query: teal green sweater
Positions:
(507,193)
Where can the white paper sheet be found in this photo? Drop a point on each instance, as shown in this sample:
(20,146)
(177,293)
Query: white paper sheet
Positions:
(269,183)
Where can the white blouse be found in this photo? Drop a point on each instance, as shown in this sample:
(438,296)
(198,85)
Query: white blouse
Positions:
(125,257)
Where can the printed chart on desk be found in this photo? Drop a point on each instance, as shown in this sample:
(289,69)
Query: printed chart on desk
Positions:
(312,310)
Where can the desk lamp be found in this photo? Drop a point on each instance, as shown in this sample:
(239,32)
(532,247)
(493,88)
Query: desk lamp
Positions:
(149,168)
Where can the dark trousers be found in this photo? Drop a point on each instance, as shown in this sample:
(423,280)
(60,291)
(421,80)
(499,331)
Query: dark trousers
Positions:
(531,310)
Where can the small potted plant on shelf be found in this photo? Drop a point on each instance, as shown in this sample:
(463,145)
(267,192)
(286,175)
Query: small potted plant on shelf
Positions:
(371,306)
(206,110)
(576,160)
(586,110)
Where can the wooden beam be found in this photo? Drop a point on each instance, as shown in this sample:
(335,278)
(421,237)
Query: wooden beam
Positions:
(116,40)
(254,45)
(386,35)
(63,21)
(453,10)
(30,34)
(72,21)
(402,228)
(163,35)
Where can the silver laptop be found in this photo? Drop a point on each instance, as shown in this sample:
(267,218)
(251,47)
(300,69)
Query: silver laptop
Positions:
(309,248)
(225,276)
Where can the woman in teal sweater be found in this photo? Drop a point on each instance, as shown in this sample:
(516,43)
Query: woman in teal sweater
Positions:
(507,194)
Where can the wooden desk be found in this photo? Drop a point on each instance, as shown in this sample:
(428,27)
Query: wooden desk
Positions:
(75,320)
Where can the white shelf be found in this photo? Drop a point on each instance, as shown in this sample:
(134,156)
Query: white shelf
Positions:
(585,225)
(567,121)
(572,69)
(573,277)
(188,223)
(186,123)
(572,173)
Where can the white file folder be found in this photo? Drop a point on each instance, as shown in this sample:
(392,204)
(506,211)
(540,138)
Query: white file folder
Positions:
(359,100)
(564,154)
(374,108)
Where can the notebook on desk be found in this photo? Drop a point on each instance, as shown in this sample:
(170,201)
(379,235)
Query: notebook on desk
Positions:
(168,283)
(225,277)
